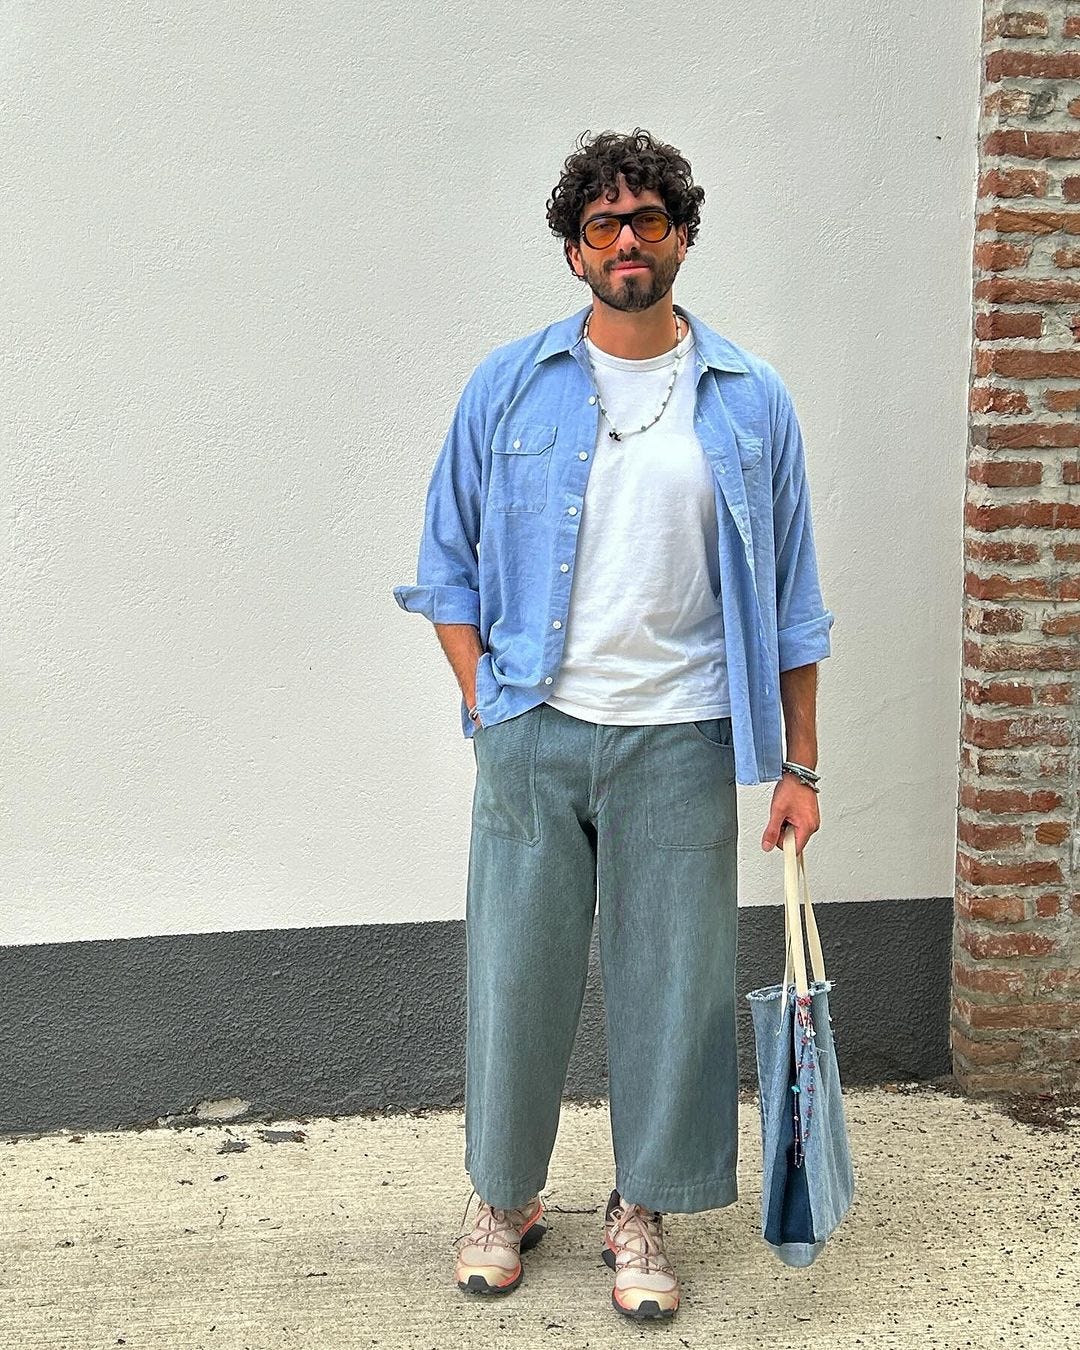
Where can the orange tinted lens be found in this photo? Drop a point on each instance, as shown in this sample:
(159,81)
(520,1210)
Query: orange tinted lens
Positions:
(601,231)
(650,225)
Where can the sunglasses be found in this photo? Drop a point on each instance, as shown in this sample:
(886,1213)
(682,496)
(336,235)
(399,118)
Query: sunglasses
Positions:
(649,223)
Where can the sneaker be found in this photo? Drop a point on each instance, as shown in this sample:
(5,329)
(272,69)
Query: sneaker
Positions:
(645,1281)
(488,1252)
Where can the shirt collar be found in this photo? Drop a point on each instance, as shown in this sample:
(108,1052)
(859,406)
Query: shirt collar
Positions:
(712,349)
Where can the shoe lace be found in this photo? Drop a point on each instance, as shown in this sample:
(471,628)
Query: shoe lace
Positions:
(493,1226)
(635,1225)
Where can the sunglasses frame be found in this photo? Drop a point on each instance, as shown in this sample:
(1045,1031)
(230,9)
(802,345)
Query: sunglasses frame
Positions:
(627,217)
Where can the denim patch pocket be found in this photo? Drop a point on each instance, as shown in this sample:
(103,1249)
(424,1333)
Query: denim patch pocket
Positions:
(504,797)
(520,459)
(691,799)
(750,450)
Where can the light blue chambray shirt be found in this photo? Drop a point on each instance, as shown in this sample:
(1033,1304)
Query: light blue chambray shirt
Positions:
(506,497)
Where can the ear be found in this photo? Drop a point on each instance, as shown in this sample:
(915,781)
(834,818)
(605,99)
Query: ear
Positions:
(573,257)
(682,234)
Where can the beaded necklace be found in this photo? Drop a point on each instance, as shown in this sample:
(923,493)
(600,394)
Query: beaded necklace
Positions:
(614,433)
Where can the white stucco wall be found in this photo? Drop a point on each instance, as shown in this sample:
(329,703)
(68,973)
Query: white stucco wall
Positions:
(251,253)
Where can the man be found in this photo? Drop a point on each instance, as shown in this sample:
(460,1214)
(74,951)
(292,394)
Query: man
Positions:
(619,563)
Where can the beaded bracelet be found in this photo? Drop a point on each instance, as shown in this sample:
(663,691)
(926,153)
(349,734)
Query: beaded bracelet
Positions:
(803,774)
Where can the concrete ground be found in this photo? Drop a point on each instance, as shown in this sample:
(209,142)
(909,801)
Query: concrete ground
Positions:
(337,1233)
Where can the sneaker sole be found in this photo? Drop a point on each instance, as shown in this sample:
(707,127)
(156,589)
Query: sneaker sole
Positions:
(477,1284)
(647,1310)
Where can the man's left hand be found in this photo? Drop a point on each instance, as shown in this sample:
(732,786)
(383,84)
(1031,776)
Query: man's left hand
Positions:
(794,804)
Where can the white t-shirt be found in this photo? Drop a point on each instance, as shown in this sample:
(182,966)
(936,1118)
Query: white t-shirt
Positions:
(645,631)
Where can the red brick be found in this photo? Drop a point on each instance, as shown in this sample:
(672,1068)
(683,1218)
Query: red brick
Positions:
(1061,625)
(1005,323)
(1051,981)
(994,398)
(1055,1015)
(1018,290)
(1024,435)
(1007,550)
(1047,906)
(1016,23)
(1009,220)
(987,838)
(998,255)
(1014,183)
(1025,363)
(1055,695)
(989,620)
(1003,1082)
(1061,400)
(1071,27)
(1067,552)
(998,587)
(1007,871)
(1039,66)
(1034,515)
(988,1051)
(983,945)
(1017,102)
(1070,472)
(1000,732)
(1052,832)
(999,656)
(1009,801)
(1005,472)
(990,908)
(1009,692)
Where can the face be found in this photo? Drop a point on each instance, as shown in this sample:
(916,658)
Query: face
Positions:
(656,265)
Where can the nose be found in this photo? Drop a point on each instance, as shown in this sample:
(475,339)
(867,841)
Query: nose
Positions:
(627,238)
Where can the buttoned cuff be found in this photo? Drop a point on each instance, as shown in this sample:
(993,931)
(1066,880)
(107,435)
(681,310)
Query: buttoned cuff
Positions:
(804,643)
(441,604)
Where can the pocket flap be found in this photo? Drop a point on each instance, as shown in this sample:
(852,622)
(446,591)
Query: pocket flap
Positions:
(750,450)
(528,438)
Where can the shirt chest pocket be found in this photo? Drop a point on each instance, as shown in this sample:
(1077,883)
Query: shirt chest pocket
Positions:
(750,450)
(520,462)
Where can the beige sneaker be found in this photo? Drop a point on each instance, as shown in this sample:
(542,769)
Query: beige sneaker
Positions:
(645,1281)
(488,1252)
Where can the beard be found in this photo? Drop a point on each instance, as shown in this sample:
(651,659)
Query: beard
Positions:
(632,291)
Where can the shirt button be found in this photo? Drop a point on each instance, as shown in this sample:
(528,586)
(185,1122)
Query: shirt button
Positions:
(592,398)
(517,445)
(582,455)
(548,680)
(572,511)
(557,623)
(564,567)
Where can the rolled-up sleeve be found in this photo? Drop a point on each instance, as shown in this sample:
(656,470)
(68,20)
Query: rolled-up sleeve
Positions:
(447,586)
(802,621)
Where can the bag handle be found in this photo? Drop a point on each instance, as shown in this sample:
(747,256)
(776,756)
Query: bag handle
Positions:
(794,951)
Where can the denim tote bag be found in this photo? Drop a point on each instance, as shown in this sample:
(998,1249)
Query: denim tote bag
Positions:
(807,1183)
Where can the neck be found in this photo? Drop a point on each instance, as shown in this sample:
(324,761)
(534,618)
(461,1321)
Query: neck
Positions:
(634,335)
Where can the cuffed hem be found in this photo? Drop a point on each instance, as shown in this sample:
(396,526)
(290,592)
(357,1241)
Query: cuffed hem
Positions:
(505,1193)
(804,643)
(441,604)
(715,1193)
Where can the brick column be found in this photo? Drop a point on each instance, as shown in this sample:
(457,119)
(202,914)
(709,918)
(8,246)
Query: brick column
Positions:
(1016,937)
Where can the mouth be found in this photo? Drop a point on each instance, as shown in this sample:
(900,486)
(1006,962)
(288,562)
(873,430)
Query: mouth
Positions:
(630,267)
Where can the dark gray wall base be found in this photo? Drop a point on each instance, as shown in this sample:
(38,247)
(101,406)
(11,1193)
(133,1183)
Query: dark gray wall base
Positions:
(334,1021)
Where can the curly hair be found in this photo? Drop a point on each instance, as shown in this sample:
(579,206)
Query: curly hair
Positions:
(645,162)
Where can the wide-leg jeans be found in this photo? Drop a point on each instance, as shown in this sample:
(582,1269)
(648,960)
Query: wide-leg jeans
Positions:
(639,824)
